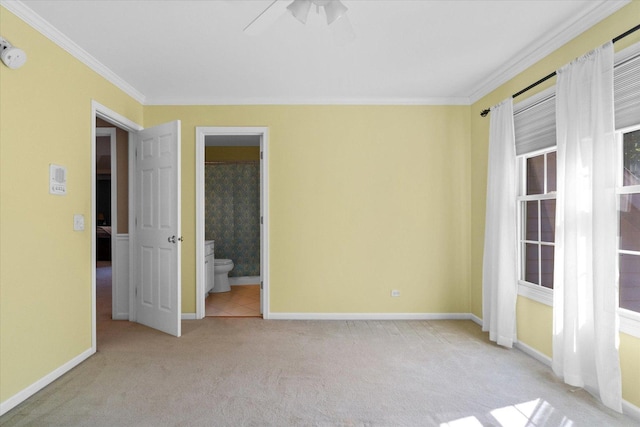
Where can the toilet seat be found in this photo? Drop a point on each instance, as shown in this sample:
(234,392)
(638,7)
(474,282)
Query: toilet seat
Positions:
(222,262)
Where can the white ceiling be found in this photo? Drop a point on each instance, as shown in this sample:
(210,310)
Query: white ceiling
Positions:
(408,52)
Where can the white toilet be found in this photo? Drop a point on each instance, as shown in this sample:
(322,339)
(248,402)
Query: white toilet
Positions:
(221,269)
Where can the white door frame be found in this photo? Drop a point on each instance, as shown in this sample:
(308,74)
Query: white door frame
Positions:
(263,133)
(99,110)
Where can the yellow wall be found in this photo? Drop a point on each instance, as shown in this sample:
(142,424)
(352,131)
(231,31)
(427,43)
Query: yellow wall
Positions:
(535,320)
(363,200)
(45,267)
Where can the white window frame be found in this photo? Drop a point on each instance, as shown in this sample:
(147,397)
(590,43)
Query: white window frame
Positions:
(629,320)
(532,291)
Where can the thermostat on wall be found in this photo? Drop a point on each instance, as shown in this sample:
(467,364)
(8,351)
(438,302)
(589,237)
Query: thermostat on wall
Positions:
(57,179)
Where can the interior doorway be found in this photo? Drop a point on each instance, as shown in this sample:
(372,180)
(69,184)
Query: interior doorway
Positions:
(105,218)
(111,215)
(116,271)
(239,138)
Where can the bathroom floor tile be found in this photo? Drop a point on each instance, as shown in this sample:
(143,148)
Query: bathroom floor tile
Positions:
(242,300)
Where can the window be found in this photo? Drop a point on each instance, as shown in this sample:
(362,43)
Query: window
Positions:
(629,220)
(534,122)
(537,215)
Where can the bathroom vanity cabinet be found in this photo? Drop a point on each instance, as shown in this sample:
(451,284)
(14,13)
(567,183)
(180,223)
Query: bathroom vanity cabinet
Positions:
(209,265)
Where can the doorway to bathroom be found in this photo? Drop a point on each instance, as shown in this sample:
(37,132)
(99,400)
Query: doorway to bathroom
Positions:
(231,218)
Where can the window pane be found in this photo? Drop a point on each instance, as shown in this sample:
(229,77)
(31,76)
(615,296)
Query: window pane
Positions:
(546,275)
(532,221)
(630,222)
(547,220)
(531,265)
(630,282)
(551,172)
(535,175)
(631,157)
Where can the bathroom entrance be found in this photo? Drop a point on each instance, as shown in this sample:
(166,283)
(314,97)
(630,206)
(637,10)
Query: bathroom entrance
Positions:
(231,224)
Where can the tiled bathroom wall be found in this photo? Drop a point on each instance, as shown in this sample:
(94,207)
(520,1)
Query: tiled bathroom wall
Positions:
(232,214)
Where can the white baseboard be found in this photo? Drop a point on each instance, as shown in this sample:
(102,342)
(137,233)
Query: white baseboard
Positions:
(188,316)
(370,316)
(540,357)
(628,408)
(475,319)
(631,410)
(244,280)
(23,395)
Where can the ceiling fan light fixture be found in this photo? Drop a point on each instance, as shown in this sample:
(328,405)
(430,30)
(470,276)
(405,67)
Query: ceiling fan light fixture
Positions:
(300,9)
(334,10)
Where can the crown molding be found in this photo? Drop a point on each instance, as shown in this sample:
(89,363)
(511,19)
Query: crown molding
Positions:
(547,45)
(525,59)
(49,31)
(168,100)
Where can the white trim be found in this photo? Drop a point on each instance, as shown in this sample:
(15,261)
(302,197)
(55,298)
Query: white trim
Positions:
(476,319)
(372,316)
(527,57)
(536,293)
(530,351)
(629,322)
(114,118)
(52,33)
(99,110)
(132,224)
(29,391)
(244,280)
(200,273)
(188,316)
(201,133)
(190,101)
(92,229)
(543,47)
(630,410)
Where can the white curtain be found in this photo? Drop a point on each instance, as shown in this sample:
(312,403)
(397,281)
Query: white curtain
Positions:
(585,333)
(499,277)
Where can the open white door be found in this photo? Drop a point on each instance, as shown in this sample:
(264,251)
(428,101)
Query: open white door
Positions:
(157,241)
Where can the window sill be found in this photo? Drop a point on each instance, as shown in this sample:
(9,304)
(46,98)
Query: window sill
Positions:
(537,293)
(629,322)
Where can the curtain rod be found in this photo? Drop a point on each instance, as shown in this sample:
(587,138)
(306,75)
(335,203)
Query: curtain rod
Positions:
(486,111)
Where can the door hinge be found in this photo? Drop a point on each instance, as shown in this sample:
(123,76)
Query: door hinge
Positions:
(261,155)
(261,284)
(136,289)
(261,220)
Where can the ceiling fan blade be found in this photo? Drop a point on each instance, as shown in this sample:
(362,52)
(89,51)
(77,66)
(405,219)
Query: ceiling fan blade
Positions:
(267,17)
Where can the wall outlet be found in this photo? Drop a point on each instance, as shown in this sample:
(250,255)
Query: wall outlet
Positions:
(78,222)
(395,293)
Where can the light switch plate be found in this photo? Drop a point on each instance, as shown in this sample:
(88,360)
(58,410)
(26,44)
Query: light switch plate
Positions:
(78,222)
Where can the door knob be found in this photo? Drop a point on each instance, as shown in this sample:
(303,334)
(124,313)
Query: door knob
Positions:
(172,239)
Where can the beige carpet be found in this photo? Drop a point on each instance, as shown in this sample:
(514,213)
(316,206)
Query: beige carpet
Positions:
(254,372)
